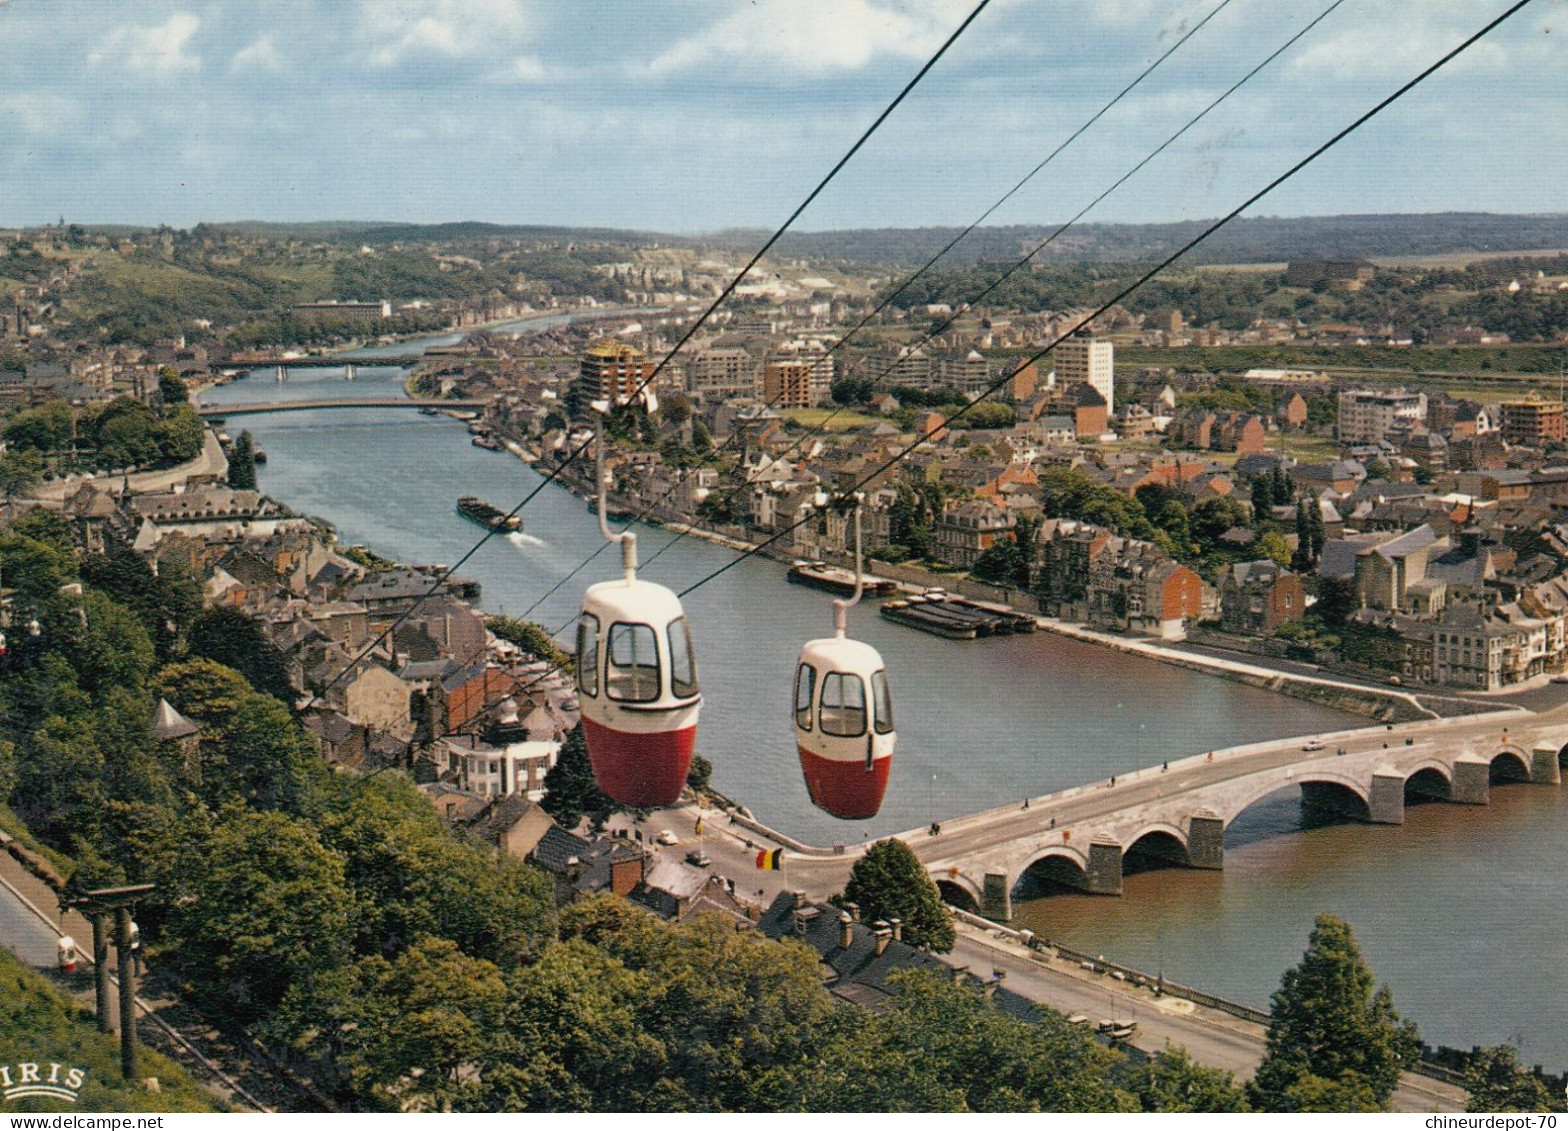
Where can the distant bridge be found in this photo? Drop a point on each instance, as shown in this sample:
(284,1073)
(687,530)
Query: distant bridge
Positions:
(1176,814)
(325,361)
(251,407)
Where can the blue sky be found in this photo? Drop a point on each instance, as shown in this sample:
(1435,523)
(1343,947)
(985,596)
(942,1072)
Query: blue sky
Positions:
(696,115)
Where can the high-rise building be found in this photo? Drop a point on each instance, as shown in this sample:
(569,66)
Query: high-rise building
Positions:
(1367,415)
(1532,422)
(611,371)
(788,384)
(1082,360)
(721,372)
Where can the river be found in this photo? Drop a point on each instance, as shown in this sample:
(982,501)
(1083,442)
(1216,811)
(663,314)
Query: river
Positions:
(1456,910)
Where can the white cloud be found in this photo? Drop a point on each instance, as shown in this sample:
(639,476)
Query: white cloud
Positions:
(1404,48)
(809,35)
(153,50)
(450,29)
(260,55)
(525,69)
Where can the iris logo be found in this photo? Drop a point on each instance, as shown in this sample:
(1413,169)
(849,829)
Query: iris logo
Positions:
(52,1081)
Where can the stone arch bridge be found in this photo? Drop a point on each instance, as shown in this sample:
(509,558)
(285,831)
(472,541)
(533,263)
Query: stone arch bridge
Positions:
(1177,813)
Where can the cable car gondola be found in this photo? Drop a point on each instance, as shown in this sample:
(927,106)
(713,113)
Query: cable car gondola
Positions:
(843,716)
(636,680)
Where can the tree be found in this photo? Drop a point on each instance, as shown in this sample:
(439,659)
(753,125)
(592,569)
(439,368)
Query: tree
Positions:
(1279,485)
(1336,600)
(1171,1081)
(570,790)
(889,882)
(242,464)
(1332,1037)
(1262,498)
(1496,1082)
(261,906)
(700,776)
(19,470)
(171,390)
(1303,561)
(1271,544)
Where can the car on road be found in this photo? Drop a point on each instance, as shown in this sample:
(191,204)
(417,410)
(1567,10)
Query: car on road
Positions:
(1560,679)
(698,858)
(667,837)
(1313,746)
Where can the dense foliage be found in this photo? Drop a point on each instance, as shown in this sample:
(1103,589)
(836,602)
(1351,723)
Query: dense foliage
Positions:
(889,882)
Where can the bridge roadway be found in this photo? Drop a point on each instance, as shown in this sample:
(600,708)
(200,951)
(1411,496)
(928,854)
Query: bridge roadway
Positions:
(327,361)
(226,410)
(1177,813)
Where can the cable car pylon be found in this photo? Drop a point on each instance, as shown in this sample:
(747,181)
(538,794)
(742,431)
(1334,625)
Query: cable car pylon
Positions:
(636,676)
(843,714)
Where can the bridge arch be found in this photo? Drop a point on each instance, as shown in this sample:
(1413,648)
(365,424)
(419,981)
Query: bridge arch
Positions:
(1509,764)
(958,889)
(1055,866)
(1429,781)
(1343,788)
(1156,846)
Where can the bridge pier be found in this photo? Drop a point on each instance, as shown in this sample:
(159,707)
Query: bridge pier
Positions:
(1105,866)
(1206,841)
(996,898)
(1472,782)
(1544,767)
(1388,798)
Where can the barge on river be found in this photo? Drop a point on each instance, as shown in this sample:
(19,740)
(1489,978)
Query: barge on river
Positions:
(820,575)
(956,618)
(475,509)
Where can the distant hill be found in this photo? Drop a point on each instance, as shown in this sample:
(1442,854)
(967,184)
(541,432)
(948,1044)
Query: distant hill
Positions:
(1261,240)
(1265,239)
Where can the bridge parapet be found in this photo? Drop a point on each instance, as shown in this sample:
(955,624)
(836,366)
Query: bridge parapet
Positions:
(1080,836)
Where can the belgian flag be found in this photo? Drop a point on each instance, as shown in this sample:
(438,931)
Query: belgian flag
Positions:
(770,861)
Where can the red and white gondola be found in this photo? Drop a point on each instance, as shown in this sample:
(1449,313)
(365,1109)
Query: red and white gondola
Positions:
(843,716)
(636,680)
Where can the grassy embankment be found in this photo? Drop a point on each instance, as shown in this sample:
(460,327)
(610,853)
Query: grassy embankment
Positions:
(39,1025)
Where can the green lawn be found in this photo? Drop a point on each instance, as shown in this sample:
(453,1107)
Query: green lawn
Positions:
(843,419)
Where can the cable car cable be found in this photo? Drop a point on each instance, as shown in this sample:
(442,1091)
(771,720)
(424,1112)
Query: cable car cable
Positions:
(442,576)
(1123,179)
(1323,148)
(1343,133)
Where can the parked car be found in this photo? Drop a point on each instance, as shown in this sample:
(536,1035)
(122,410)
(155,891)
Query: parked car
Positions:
(698,858)
(1315,745)
(667,837)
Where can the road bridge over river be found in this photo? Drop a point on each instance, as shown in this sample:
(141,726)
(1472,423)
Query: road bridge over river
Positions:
(1176,813)
(252,407)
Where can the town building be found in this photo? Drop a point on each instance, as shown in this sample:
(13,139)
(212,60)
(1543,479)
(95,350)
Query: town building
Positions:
(1532,422)
(1083,360)
(1367,415)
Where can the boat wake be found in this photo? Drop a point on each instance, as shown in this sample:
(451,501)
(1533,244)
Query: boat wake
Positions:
(520,539)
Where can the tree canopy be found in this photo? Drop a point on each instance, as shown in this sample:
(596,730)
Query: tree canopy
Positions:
(1334,1043)
(889,882)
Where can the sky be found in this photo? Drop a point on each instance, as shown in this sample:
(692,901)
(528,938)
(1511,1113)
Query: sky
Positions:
(690,116)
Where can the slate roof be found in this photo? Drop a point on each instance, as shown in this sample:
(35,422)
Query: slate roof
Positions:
(168,724)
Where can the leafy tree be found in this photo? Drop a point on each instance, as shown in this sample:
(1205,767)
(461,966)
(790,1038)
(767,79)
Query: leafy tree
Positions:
(1172,1081)
(19,470)
(1497,1082)
(1271,544)
(990,414)
(534,639)
(260,907)
(50,527)
(242,463)
(1332,1038)
(1303,561)
(889,882)
(570,791)
(47,428)
(700,776)
(411,877)
(701,438)
(1336,600)
(234,640)
(399,1034)
(990,1062)
(171,390)
(165,603)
